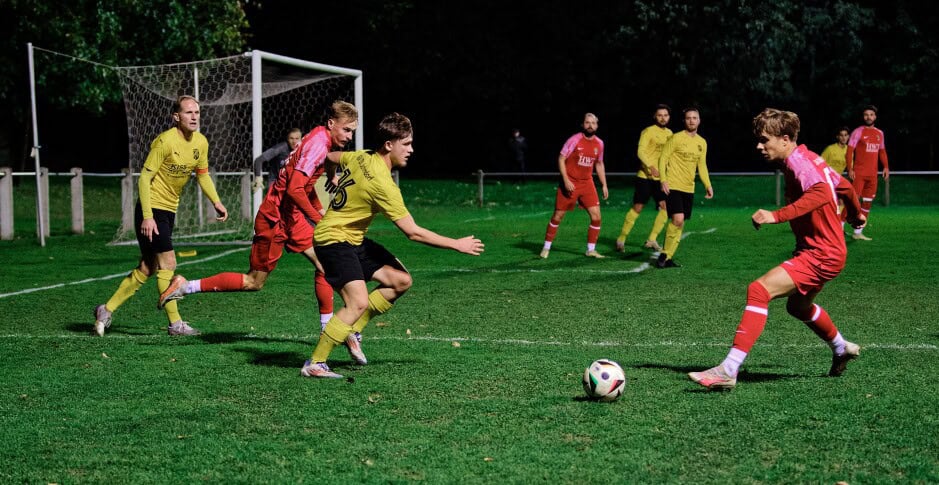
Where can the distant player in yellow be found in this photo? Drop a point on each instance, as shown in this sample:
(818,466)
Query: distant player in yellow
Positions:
(683,154)
(362,187)
(651,142)
(834,154)
(174,155)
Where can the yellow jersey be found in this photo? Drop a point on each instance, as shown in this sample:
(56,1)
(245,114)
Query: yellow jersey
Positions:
(682,154)
(651,142)
(365,189)
(834,155)
(171,161)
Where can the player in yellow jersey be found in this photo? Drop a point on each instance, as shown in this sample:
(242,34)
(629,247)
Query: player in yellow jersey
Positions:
(834,154)
(651,141)
(362,187)
(683,154)
(174,155)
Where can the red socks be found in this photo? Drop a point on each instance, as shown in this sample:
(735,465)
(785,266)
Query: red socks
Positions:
(754,317)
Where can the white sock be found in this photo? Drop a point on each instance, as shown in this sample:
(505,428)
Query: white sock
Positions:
(732,362)
(837,344)
(547,244)
(591,247)
(194,286)
(324,319)
(858,231)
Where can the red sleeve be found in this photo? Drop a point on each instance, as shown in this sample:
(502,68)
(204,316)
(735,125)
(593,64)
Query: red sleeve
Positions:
(883,158)
(296,190)
(849,158)
(817,196)
(846,193)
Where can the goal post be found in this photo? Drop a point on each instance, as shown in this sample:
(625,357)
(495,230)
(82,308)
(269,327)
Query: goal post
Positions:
(247,102)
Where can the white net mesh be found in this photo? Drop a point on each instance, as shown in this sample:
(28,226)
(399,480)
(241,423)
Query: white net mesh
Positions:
(291,97)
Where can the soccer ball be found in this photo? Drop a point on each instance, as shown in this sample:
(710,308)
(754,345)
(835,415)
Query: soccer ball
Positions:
(604,380)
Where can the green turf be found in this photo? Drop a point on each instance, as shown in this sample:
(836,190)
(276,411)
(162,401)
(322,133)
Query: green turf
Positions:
(506,405)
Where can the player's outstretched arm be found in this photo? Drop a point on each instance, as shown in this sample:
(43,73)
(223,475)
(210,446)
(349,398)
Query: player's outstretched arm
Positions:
(467,245)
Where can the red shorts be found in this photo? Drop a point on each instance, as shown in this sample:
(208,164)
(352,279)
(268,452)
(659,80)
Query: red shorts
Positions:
(585,194)
(270,238)
(810,273)
(866,187)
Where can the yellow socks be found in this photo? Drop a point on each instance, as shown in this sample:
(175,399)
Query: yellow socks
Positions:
(129,285)
(377,304)
(658,225)
(672,237)
(335,333)
(163,282)
(628,223)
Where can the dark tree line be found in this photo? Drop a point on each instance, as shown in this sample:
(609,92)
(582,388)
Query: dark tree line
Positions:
(468,72)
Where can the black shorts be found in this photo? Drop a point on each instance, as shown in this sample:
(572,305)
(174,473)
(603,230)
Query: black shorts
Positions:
(679,202)
(162,242)
(344,262)
(646,188)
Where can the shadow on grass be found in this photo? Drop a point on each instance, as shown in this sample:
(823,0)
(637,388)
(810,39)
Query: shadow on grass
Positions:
(232,337)
(87,328)
(745,376)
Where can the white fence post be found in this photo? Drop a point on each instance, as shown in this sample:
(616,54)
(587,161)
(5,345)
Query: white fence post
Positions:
(78,202)
(127,201)
(44,195)
(479,195)
(6,203)
(246,195)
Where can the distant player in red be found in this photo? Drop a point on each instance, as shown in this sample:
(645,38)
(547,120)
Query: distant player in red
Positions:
(579,155)
(812,193)
(287,217)
(865,148)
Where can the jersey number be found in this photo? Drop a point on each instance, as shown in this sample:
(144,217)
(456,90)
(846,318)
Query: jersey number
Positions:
(340,197)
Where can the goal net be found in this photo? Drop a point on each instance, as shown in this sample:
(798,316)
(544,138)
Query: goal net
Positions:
(247,103)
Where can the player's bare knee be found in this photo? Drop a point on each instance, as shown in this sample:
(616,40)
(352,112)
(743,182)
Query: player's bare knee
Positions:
(402,282)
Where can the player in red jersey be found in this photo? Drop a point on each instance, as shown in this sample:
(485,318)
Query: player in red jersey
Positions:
(579,155)
(287,217)
(812,193)
(865,148)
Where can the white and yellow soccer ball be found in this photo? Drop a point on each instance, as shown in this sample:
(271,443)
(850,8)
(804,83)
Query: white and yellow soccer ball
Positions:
(604,380)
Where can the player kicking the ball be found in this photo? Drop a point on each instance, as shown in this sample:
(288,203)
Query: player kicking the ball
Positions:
(365,188)
(812,190)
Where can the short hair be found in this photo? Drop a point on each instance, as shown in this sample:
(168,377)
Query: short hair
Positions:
(777,123)
(588,115)
(343,110)
(393,127)
(294,130)
(843,128)
(662,106)
(691,108)
(870,107)
(178,105)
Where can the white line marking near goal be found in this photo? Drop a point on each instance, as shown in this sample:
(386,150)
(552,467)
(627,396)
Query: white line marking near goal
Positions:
(707,231)
(117,275)
(507,341)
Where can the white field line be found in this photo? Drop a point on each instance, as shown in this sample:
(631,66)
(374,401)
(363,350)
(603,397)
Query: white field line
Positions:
(116,275)
(523,216)
(638,269)
(487,341)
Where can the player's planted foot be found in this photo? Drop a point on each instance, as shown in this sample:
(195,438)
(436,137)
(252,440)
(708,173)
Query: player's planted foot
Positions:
(173,292)
(859,236)
(102,319)
(594,254)
(715,379)
(544,253)
(653,245)
(840,362)
(665,262)
(620,246)
(354,344)
(180,327)
(320,370)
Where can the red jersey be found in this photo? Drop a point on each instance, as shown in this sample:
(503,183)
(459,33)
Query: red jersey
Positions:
(812,191)
(580,154)
(294,188)
(865,146)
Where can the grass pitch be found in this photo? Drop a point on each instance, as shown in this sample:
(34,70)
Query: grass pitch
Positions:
(474,376)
